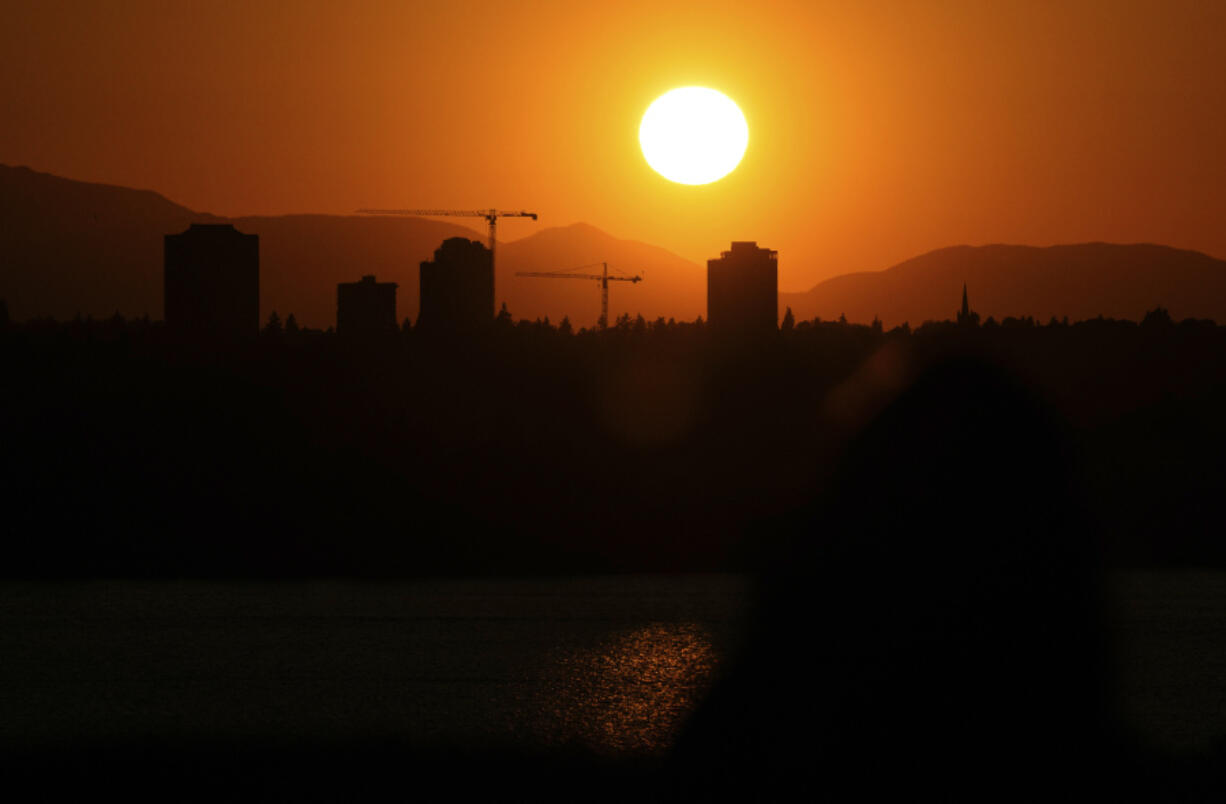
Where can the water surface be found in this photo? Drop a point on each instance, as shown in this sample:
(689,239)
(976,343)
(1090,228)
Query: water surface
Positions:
(610,664)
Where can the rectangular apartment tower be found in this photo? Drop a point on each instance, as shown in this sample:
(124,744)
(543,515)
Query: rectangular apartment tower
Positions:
(743,290)
(365,308)
(457,287)
(211,276)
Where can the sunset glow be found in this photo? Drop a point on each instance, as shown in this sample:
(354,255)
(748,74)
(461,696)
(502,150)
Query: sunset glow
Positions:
(876,135)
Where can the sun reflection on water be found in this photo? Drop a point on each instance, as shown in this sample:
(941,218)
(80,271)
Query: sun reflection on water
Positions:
(631,692)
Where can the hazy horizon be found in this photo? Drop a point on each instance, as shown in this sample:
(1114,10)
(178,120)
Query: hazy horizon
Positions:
(481,236)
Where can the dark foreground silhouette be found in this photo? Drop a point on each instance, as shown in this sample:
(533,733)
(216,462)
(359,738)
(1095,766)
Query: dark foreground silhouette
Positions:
(935,631)
(930,631)
(533,449)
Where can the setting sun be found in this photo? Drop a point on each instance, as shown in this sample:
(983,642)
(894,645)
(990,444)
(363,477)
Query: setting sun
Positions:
(693,135)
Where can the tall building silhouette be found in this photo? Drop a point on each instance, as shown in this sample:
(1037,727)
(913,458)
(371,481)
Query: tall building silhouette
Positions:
(211,276)
(743,289)
(457,287)
(365,308)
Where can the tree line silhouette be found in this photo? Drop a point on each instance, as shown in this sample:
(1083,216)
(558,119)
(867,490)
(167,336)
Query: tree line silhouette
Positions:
(537,447)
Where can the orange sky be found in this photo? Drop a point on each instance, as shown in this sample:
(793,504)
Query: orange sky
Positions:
(877,130)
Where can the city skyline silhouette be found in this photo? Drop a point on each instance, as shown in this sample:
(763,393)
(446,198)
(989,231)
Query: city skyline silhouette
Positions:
(111,232)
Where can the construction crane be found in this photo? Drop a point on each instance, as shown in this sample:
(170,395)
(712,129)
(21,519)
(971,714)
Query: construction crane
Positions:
(603,278)
(491,217)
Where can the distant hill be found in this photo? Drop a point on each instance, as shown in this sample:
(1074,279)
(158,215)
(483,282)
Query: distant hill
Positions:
(1078,281)
(69,247)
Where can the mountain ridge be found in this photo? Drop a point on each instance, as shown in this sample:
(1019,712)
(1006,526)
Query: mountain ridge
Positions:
(1077,280)
(51,227)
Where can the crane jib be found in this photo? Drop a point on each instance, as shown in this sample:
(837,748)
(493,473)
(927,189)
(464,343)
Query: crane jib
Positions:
(602,277)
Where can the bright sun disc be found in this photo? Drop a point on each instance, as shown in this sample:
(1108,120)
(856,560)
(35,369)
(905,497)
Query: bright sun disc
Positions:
(693,135)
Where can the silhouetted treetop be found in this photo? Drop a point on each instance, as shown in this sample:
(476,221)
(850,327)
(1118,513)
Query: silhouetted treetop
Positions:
(273,327)
(1157,317)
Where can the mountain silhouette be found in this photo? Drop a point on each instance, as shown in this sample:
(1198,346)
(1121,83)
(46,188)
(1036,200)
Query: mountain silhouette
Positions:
(1079,281)
(69,247)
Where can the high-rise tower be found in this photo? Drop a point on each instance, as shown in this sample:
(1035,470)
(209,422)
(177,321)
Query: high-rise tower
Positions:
(211,277)
(365,308)
(457,287)
(743,290)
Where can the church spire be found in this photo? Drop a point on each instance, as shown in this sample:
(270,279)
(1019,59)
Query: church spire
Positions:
(965,317)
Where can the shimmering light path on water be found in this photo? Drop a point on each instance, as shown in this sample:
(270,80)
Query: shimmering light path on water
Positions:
(608,664)
(630,692)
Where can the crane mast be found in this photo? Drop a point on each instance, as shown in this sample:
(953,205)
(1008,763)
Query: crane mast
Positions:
(603,278)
